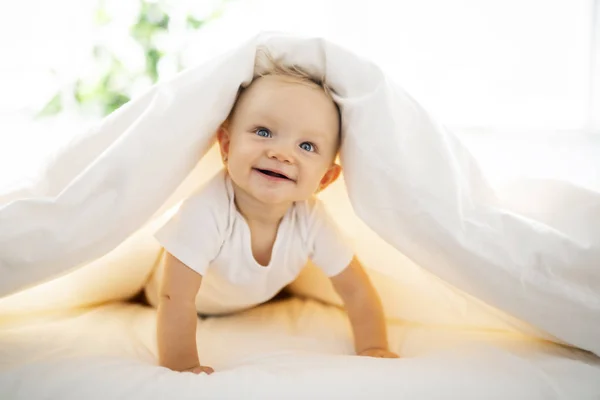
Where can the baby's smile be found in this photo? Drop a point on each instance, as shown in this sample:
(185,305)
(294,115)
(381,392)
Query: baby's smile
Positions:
(274,175)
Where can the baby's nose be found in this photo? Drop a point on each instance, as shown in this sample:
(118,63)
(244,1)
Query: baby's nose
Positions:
(281,154)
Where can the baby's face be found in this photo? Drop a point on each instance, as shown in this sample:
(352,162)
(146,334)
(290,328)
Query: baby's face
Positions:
(282,140)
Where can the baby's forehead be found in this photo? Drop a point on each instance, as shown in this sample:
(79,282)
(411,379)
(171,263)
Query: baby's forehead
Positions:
(275,91)
(270,84)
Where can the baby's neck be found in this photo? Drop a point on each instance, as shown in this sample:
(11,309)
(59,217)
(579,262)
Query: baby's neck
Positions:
(257,213)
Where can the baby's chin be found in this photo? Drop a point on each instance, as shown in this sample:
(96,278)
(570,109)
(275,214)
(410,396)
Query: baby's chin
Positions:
(277,198)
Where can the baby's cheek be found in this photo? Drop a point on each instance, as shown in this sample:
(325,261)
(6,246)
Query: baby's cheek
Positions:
(312,187)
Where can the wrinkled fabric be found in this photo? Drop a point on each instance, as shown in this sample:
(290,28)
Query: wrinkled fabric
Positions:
(532,252)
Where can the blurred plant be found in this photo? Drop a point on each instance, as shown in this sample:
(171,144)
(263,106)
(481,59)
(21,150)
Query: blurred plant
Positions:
(113,83)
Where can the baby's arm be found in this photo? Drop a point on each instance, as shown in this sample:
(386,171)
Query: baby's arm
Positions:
(364,310)
(177,317)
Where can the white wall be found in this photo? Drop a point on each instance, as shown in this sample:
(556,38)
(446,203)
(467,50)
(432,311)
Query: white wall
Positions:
(500,66)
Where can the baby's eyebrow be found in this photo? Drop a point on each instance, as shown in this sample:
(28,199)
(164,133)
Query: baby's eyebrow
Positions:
(264,117)
(317,135)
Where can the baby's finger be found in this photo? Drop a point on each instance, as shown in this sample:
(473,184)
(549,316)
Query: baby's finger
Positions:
(208,370)
(201,369)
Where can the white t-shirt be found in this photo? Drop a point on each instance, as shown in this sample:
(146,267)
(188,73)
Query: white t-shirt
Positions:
(210,236)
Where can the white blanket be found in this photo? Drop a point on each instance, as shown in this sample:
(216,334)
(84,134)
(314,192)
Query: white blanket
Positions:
(289,350)
(526,260)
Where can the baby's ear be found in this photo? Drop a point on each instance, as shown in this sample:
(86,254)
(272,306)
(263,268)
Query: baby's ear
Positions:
(330,176)
(223,138)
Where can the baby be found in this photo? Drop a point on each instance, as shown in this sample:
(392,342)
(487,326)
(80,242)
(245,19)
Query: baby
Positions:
(249,231)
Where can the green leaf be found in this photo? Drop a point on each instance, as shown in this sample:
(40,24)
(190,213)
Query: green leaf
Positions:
(80,92)
(150,21)
(107,89)
(194,23)
(142,32)
(114,101)
(53,107)
(164,22)
(153,56)
(86,92)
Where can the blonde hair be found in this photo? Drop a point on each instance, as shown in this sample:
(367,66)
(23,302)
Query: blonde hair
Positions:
(265,64)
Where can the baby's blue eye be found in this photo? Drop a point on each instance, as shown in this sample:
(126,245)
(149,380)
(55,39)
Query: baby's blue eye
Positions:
(307,146)
(262,132)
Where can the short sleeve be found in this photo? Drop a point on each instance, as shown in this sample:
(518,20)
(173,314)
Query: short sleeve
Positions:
(331,250)
(192,235)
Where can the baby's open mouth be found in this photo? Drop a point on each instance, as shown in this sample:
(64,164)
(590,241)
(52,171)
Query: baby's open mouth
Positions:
(273,174)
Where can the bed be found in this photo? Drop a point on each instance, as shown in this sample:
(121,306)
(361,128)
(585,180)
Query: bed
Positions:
(488,294)
(293,349)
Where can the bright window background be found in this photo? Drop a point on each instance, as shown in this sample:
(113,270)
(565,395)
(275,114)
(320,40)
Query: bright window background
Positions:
(512,68)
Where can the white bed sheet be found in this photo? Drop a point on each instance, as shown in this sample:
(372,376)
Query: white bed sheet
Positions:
(291,349)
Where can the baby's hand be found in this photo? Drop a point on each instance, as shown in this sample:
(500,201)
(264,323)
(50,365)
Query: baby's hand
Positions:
(198,369)
(379,353)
